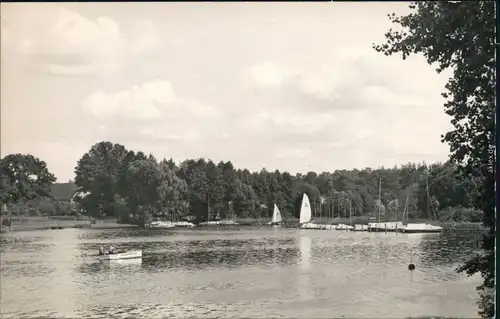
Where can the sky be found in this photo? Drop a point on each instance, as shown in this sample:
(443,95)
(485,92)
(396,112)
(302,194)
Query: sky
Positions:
(288,86)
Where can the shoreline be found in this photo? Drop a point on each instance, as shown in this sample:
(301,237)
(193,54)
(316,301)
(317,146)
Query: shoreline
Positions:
(48,223)
(57,224)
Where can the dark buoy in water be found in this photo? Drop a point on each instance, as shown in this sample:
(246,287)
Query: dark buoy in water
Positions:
(411,266)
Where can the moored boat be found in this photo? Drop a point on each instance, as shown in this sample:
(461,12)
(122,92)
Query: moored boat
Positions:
(385,227)
(311,226)
(418,228)
(360,227)
(228,222)
(306,215)
(210,223)
(421,228)
(277,220)
(160,224)
(183,224)
(344,227)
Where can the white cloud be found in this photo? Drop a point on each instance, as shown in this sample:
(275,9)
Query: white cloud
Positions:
(286,121)
(164,132)
(141,102)
(348,81)
(74,44)
(354,102)
(266,74)
(287,152)
(147,39)
(72,34)
(152,110)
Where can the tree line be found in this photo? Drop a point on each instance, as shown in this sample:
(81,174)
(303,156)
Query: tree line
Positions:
(112,181)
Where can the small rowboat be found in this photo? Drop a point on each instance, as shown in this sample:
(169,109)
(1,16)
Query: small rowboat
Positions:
(122,255)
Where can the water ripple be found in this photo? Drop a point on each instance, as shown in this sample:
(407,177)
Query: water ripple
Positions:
(229,273)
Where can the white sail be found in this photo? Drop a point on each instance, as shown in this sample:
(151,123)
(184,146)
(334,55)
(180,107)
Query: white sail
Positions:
(305,210)
(276,215)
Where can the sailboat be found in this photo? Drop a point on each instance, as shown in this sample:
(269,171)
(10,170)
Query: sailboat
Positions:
(306,214)
(346,227)
(229,221)
(277,219)
(209,222)
(414,228)
(387,226)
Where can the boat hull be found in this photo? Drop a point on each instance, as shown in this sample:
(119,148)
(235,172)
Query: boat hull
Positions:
(421,228)
(184,224)
(160,225)
(228,223)
(384,230)
(276,224)
(121,262)
(360,227)
(344,227)
(309,226)
(220,223)
(420,231)
(313,226)
(126,255)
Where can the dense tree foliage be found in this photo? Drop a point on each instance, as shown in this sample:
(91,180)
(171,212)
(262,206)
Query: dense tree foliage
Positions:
(112,181)
(461,35)
(119,182)
(23,178)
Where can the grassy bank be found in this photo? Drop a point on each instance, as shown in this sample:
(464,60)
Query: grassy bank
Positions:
(42,223)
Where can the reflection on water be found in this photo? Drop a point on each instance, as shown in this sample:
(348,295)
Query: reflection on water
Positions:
(236,273)
(304,286)
(305,253)
(121,263)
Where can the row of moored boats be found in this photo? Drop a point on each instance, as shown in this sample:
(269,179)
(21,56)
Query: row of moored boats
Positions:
(305,222)
(398,226)
(186,224)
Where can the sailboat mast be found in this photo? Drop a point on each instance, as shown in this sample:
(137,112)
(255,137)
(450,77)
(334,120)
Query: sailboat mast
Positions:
(320,210)
(397,209)
(428,199)
(208,207)
(333,209)
(379,198)
(406,209)
(350,212)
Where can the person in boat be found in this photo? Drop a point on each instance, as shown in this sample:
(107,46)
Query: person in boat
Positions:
(111,249)
(101,251)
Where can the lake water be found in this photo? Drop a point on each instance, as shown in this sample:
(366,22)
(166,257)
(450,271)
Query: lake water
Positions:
(228,273)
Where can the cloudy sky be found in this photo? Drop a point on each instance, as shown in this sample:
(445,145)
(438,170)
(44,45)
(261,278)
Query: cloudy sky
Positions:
(289,86)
